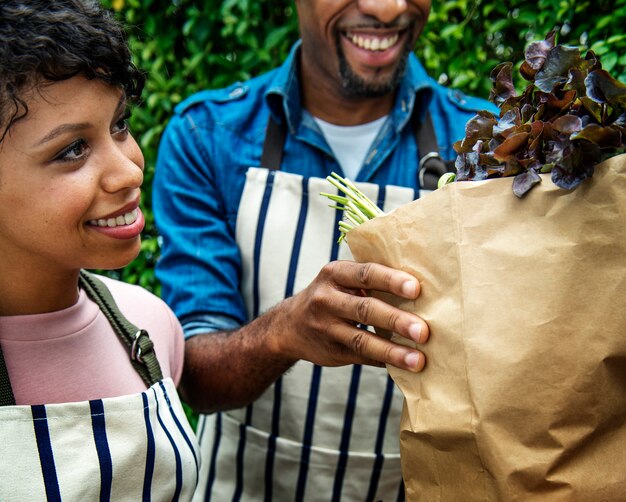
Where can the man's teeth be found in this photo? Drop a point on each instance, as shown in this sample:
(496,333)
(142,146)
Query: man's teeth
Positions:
(125,219)
(373,43)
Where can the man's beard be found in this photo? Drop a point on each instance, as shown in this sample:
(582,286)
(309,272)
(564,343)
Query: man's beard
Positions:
(358,87)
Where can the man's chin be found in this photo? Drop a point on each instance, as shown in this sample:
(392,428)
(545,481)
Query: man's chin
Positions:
(370,86)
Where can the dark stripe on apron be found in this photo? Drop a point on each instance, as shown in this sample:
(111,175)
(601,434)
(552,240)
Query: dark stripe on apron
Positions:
(291,279)
(212,465)
(179,425)
(258,240)
(102,448)
(297,244)
(387,400)
(315,380)
(401,492)
(179,465)
(46,458)
(240,451)
(150,454)
(308,433)
(271,441)
(344,446)
(380,437)
(382,191)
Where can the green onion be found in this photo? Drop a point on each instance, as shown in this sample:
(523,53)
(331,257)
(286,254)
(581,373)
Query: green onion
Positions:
(356,206)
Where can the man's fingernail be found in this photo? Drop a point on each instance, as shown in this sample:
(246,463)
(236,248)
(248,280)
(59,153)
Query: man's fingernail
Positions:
(415,332)
(412,360)
(408,289)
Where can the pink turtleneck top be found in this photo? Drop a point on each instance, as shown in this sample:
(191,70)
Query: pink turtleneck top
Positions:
(74,354)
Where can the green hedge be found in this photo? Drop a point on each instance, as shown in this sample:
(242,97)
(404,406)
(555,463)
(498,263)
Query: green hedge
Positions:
(189,45)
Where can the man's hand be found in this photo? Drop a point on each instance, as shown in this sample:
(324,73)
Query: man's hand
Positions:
(320,324)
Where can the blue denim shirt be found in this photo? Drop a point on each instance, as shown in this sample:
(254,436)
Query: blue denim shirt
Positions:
(213,138)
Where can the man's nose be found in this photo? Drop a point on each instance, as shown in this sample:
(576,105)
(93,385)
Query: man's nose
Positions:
(383,10)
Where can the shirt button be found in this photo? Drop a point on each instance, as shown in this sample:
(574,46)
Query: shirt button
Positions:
(236,92)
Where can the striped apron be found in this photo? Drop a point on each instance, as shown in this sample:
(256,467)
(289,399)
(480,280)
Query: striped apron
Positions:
(134,447)
(317,433)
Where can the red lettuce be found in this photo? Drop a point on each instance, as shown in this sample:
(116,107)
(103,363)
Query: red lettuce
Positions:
(569,118)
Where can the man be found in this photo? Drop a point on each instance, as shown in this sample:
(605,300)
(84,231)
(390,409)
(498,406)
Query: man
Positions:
(239,239)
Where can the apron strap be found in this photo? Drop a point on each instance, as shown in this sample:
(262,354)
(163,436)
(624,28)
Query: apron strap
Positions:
(273,144)
(6,391)
(431,166)
(142,355)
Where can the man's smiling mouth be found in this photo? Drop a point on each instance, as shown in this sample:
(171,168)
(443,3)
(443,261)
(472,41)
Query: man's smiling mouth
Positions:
(372,42)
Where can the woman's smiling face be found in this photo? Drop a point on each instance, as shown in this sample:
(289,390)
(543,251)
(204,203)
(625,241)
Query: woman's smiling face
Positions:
(70,177)
(359,46)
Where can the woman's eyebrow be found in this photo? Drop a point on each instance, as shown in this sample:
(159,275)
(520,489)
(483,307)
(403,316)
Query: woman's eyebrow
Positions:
(64,128)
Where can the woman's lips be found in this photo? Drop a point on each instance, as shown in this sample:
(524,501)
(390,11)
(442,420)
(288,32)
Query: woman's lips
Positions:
(125,226)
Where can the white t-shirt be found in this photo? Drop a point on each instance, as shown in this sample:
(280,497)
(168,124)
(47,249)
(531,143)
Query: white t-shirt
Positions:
(350,144)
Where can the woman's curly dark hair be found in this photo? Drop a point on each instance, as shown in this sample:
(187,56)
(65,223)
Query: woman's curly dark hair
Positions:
(43,41)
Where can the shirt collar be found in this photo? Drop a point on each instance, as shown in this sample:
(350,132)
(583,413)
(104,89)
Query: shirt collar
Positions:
(283,93)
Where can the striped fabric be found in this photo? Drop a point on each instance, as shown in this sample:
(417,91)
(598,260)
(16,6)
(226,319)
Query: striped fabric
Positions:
(137,447)
(318,433)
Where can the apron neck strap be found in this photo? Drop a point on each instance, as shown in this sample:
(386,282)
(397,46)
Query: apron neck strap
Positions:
(273,145)
(142,355)
(431,165)
(6,391)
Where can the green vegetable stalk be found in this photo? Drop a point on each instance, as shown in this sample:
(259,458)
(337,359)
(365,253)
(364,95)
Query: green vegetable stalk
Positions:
(356,206)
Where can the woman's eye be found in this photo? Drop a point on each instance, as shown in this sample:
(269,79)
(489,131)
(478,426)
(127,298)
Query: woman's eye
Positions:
(76,151)
(121,126)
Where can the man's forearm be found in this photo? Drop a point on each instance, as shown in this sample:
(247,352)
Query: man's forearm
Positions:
(225,370)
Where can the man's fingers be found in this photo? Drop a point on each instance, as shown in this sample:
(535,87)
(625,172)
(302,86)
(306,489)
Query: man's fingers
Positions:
(372,276)
(374,350)
(371,311)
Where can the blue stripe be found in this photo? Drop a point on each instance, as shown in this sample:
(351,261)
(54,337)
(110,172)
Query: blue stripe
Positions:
(401,492)
(307,439)
(382,193)
(380,438)
(334,252)
(346,434)
(179,466)
(291,279)
(271,442)
(46,458)
(201,426)
(297,243)
(180,428)
(212,465)
(240,458)
(102,447)
(258,239)
(150,454)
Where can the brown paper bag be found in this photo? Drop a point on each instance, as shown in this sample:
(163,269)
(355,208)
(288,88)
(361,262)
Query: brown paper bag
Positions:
(524,392)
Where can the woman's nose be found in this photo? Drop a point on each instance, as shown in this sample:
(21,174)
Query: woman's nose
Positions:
(123,166)
(383,10)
